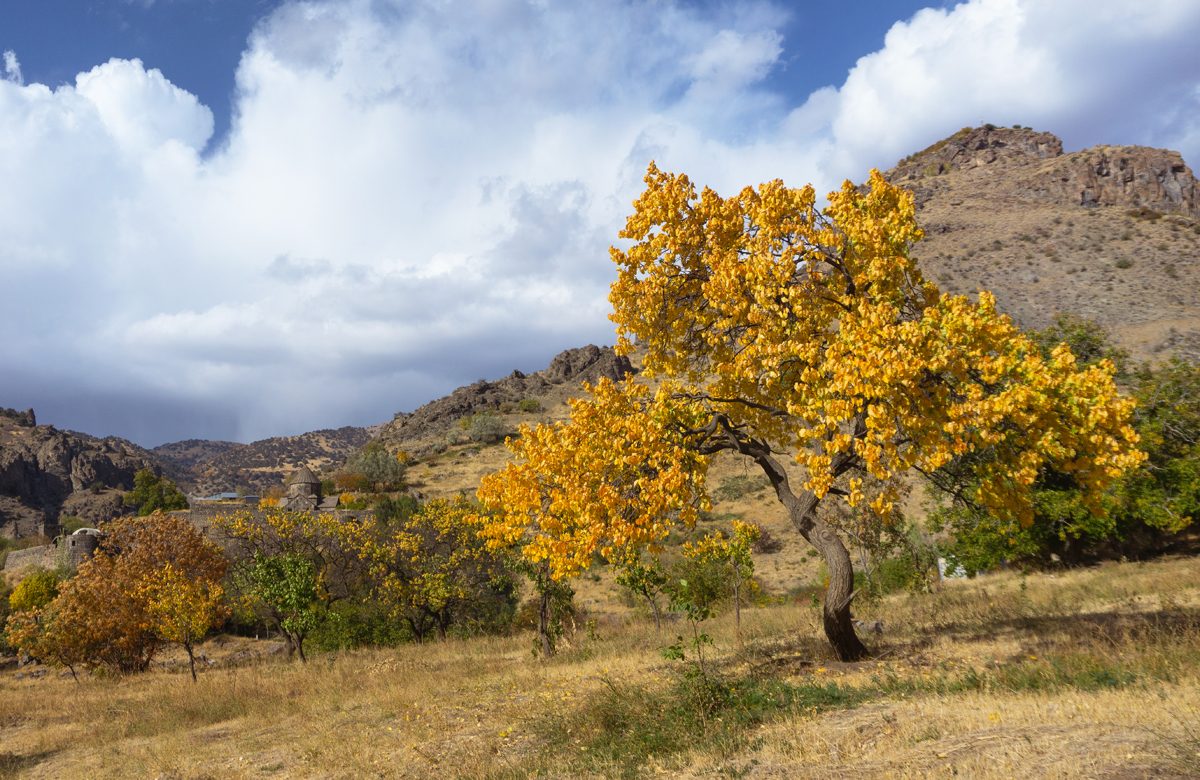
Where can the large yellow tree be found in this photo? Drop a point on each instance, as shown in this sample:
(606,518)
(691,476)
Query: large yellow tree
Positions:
(782,330)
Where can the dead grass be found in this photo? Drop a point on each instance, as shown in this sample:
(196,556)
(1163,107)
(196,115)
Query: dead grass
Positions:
(1092,673)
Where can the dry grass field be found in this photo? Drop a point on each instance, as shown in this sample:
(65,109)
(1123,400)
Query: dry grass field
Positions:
(1089,673)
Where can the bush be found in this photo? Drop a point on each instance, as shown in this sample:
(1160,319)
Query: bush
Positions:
(69,524)
(373,468)
(484,427)
(35,590)
(737,487)
(1144,509)
(530,405)
(153,493)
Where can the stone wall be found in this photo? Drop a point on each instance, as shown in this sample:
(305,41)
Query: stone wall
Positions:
(19,561)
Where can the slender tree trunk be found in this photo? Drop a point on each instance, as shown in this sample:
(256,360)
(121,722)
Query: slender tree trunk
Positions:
(657,611)
(737,605)
(837,619)
(191,658)
(442,624)
(300,648)
(544,624)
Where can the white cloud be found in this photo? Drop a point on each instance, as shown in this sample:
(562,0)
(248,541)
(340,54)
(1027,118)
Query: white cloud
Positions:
(12,68)
(414,195)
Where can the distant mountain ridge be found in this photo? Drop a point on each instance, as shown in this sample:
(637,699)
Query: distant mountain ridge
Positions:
(211,467)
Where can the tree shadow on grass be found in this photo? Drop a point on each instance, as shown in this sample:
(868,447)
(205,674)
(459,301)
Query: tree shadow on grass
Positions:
(1086,628)
(12,764)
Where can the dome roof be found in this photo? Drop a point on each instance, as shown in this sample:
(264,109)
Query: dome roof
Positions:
(304,477)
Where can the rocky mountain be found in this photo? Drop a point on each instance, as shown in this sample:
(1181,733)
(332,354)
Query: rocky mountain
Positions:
(259,466)
(185,458)
(427,427)
(1111,233)
(45,473)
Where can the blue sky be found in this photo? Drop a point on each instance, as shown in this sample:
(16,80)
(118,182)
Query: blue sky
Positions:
(241,218)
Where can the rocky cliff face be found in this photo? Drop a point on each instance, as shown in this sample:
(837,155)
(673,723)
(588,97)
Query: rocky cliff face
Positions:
(566,371)
(1032,164)
(41,468)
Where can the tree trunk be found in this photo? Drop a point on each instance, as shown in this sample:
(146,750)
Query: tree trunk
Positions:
(838,622)
(544,624)
(737,606)
(657,611)
(191,658)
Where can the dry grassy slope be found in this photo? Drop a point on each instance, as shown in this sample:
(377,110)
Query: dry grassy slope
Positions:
(1003,210)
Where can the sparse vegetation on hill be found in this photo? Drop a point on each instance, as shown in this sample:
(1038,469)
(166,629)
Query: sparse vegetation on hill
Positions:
(259,466)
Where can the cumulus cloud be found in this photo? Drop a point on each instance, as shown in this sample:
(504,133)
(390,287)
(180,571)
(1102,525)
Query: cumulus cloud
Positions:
(413,196)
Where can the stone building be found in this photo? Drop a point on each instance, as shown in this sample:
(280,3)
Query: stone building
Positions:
(304,493)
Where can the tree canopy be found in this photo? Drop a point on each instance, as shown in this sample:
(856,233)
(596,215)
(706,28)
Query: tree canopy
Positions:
(777,330)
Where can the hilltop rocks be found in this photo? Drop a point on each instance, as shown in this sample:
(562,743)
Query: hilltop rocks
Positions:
(1129,176)
(1125,176)
(41,466)
(974,147)
(572,367)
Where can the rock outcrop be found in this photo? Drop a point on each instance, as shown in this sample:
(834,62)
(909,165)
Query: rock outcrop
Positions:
(42,467)
(1111,233)
(568,369)
(1121,176)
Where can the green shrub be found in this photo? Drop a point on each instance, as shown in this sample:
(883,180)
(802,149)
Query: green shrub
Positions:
(737,487)
(373,465)
(484,427)
(152,493)
(530,405)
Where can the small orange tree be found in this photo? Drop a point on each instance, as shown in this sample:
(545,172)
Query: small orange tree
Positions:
(101,617)
(781,329)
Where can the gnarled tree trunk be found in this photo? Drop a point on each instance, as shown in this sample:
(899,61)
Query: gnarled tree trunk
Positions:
(838,621)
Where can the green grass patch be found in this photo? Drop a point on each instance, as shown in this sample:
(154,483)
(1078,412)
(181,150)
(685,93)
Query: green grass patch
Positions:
(1076,671)
(619,729)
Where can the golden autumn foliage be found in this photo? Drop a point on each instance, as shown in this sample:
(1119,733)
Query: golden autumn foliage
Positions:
(434,570)
(617,474)
(815,330)
(294,566)
(780,327)
(182,609)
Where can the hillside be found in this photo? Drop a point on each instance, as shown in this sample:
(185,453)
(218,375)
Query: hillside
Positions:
(46,472)
(1111,233)
(188,456)
(261,465)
